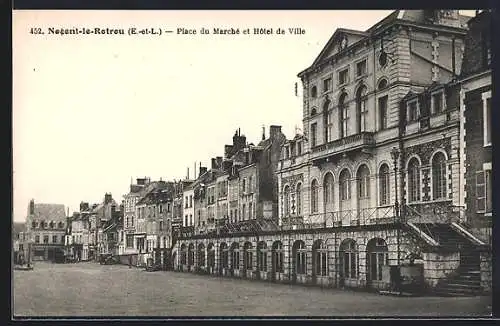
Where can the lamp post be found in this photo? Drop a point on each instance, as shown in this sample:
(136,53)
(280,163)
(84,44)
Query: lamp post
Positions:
(395,156)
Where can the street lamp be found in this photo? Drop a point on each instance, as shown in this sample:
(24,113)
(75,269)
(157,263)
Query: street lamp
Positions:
(395,156)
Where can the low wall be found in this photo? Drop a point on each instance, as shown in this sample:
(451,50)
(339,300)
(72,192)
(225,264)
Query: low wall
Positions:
(437,266)
(486,272)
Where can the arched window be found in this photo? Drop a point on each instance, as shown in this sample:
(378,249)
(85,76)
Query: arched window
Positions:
(33,224)
(343,112)
(299,255)
(314,111)
(61,225)
(377,256)
(349,259)
(235,256)
(51,224)
(345,193)
(211,255)
(287,201)
(314,196)
(278,257)
(247,255)
(314,91)
(363,182)
(201,255)
(190,254)
(413,180)
(328,189)
(298,199)
(224,255)
(320,258)
(362,112)
(439,176)
(383,183)
(382,84)
(183,254)
(262,256)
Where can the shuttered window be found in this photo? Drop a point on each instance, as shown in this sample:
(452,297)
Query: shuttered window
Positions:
(481,191)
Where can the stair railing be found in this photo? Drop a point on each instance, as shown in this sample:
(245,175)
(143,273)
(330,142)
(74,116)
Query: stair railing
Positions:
(412,212)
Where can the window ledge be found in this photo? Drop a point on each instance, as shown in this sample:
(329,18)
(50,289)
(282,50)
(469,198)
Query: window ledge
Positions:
(487,145)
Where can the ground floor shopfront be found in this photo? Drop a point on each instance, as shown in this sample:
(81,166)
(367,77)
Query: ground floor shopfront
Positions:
(329,257)
(49,252)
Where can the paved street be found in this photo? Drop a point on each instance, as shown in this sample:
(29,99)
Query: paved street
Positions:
(89,289)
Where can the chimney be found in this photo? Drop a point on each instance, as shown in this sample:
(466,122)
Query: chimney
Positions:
(219,162)
(194,171)
(107,198)
(228,149)
(227,165)
(274,132)
(32,206)
(187,174)
(84,206)
(214,163)
(263,133)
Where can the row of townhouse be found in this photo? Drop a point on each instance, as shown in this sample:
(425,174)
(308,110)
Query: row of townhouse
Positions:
(393,166)
(95,229)
(239,190)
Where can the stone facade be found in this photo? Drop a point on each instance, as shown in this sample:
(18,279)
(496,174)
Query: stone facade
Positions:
(476,126)
(46,228)
(321,260)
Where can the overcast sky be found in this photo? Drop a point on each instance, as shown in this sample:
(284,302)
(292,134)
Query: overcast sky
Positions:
(90,112)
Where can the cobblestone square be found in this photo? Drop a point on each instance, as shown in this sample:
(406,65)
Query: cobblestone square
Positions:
(90,289)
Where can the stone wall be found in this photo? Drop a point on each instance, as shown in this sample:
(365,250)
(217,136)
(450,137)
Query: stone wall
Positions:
(437,266)
(486,272)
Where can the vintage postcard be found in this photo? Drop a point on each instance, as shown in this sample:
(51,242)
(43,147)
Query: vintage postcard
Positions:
(252,163)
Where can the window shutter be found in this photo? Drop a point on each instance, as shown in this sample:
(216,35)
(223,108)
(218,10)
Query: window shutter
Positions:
(480,191)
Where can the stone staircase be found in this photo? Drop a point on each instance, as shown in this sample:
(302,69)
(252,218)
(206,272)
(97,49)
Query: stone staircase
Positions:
(466,280)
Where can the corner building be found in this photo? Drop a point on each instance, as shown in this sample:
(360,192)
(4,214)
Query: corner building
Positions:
(373,180)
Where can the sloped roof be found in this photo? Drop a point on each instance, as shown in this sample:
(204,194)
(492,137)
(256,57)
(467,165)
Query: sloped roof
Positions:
(55,212)
(157,192)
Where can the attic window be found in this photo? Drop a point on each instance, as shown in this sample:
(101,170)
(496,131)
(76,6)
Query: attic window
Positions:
(343,76)
(437,102)
(382,59)
(314,91)
(412,111)
(327,84)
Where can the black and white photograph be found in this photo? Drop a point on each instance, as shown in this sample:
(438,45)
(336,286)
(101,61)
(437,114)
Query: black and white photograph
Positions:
(263,163)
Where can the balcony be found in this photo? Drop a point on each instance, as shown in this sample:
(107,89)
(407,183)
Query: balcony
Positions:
(358,142)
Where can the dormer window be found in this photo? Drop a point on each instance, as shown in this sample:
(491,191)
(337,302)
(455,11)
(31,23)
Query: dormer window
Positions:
(314,91)
(299,148)
(437,103)
(412,112)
